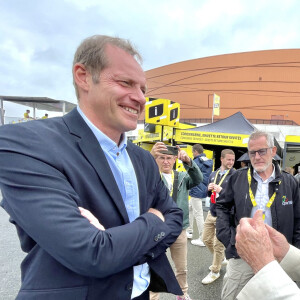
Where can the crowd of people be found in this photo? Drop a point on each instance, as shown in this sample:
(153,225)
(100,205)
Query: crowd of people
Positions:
(95,213)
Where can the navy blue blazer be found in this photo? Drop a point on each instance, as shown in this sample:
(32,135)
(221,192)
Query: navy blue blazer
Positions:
(49,168)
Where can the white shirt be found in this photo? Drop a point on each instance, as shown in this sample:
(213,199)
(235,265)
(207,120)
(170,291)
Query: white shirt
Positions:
(168,178)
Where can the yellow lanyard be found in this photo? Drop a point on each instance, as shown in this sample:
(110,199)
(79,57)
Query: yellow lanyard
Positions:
(222,179)
(271,200)
(172,180)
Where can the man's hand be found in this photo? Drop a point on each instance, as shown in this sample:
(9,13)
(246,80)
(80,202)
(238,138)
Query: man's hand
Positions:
(215,187)
(93,220)
(211,186)
(182,155)
(157,149)
(157,213)
(279,243)
(253,243)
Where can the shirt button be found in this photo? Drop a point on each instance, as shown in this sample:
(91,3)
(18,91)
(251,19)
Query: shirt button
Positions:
(162,234)
(129,286)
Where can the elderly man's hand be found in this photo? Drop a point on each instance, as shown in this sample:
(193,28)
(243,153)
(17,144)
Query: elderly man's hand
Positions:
(253,243)
(183,156)
(279,243)
(157,149)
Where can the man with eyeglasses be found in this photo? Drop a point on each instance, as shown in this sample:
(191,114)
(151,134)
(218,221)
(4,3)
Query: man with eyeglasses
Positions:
(261,186)
(178,184)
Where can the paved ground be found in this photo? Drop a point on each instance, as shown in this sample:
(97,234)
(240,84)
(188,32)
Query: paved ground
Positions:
(199,259)
(10,258)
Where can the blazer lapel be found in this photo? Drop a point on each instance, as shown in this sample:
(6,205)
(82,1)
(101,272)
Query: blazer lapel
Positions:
(95,155)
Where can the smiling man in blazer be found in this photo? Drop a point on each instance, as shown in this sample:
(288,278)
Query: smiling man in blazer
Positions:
(49,168)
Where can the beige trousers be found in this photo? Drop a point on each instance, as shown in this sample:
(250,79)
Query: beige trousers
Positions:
(212,243)
(238,273)
(179,256)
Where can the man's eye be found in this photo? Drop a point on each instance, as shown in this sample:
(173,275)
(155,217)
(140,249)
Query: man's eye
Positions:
(124,82)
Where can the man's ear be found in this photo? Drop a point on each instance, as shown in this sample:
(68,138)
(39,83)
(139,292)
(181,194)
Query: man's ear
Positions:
(81,77)
(274,150)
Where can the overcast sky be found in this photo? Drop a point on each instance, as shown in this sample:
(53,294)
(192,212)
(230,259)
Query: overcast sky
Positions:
(38,38)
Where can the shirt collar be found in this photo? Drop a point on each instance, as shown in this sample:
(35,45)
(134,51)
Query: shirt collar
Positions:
(106,143)
(223,172)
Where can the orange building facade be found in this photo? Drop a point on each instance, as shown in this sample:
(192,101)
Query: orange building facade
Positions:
(263,85)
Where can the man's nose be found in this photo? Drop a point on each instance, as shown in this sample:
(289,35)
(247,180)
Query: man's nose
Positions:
(138,96)
(257,155)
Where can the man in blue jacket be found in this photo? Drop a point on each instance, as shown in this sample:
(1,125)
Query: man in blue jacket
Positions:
(199,194)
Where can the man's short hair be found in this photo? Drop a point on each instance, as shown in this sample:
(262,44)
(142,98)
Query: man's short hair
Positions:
(226,151)
(91,53)
(198,148)
(258,133)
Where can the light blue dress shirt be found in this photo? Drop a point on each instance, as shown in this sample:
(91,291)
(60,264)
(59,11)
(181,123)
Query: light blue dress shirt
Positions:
(262,196)
(123,171)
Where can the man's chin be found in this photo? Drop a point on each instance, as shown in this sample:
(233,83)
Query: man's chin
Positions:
(131,127)
(260,169)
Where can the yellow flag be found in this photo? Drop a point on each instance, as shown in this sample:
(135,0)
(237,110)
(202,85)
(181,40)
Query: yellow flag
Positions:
(216,105)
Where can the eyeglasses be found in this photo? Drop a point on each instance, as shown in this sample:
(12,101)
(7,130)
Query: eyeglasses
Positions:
(261,152)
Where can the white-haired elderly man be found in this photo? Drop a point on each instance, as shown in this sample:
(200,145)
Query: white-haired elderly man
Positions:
(260,186)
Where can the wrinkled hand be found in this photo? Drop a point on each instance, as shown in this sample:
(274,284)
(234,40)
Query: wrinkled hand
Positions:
(279,243)
(93,220)
(157,149)
(253,243)
(157,213)
(183,156)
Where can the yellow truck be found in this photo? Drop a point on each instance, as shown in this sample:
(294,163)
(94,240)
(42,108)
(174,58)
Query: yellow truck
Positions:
(291,152)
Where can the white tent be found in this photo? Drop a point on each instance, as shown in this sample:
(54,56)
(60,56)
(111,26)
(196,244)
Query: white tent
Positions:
(42,103)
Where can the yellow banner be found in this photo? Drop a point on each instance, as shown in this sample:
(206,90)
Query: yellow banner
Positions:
(211,138)
(216,105)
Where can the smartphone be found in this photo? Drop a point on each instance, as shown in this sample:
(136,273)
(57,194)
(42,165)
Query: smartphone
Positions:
(171,150)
